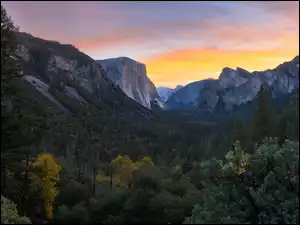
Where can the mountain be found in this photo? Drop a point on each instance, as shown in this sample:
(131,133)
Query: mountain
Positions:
(235,87)
(187,96)
(62,70)
(165,93)
(132,78)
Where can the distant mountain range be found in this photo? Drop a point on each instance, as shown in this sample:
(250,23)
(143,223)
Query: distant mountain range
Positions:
(165,93)
(235,87)
(123,82)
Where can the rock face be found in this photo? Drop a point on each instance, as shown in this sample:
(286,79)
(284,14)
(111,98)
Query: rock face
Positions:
(165,93)
(235,87)
(44,90)
(51,64)
(132,78)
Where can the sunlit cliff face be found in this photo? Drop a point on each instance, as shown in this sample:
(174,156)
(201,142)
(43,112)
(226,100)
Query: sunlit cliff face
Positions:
(180,42)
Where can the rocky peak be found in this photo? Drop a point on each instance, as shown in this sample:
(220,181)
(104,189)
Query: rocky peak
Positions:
(178,87)
(227,70)
(166,93)
(231,78)
(296,61)
(242,72)
(131,77)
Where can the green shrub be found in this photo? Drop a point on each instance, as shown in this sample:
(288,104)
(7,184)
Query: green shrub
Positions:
(9,213)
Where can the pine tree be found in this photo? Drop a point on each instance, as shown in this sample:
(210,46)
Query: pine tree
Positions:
(9,62)
(9,70)
(263,118)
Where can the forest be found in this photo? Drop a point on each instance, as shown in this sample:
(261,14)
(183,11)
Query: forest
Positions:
(97,166)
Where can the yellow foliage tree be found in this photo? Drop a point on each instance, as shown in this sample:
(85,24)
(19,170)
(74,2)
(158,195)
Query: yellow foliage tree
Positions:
(146,161)
(236,160)
(125,167)
(48,172)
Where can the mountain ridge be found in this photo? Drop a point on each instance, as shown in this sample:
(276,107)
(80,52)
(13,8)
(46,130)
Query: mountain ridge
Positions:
(104,77)
(237,86)
(64,66)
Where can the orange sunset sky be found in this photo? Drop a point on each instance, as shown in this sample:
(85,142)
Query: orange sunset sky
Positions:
(180,42)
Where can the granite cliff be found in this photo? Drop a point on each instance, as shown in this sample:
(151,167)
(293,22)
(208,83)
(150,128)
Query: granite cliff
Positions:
(131,77)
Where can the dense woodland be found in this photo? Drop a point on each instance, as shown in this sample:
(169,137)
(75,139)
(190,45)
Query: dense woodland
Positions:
(95,166)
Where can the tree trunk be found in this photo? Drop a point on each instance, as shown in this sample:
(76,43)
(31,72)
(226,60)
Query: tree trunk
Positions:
(129,181)
(79,172)
(111,175)
(94,182)
(24,188)
(3,176)
(194,219)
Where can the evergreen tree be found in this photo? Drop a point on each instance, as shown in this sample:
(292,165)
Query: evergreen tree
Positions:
(9,70)
(262,188)
(264,124)
(9,62)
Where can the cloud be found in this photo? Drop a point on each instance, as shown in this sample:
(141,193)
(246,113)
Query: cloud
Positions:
(65,21)
(286,9)
(203,63)
(179,41)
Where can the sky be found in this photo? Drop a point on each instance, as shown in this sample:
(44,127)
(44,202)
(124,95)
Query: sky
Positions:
(180,42)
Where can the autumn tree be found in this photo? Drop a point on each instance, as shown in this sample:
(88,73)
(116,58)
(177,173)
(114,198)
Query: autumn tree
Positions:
(125,167)
(47,171)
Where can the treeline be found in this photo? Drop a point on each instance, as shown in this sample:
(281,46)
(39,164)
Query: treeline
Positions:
(268,119)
